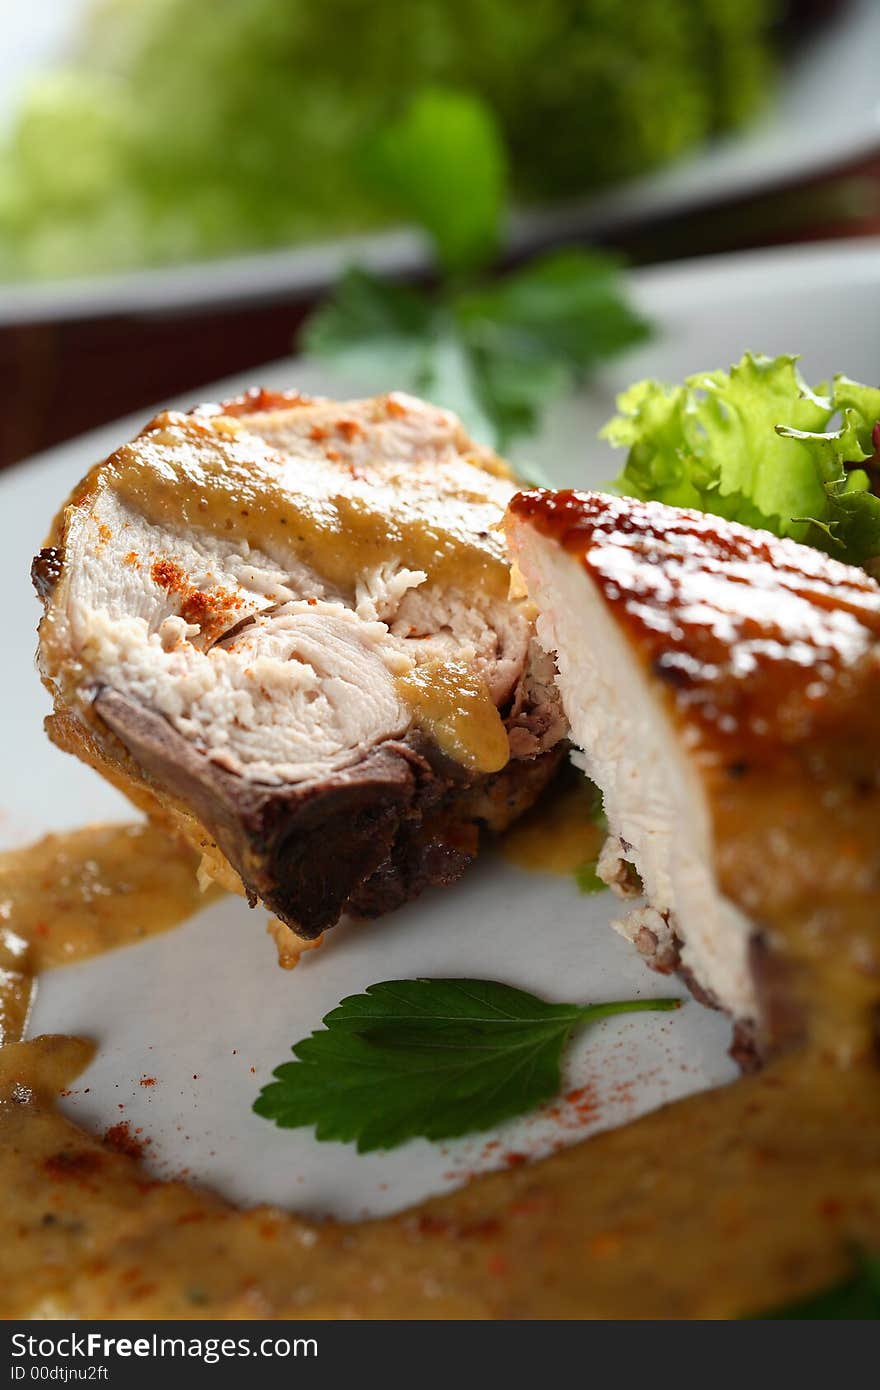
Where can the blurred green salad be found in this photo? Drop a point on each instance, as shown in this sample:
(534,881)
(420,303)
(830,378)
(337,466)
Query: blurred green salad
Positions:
(191,128)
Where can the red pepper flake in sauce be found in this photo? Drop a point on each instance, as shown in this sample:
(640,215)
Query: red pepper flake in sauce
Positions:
(481,1230)
(623,1093)
(168,575)
(208,609)
(530,1203)
(604,1244)
(120,1138)
(259,399)
(74,1164)
(148,1081)
(190,1218)
(830,1208)
(143,1290)
(428,1225)
(349,429)
(582,1100)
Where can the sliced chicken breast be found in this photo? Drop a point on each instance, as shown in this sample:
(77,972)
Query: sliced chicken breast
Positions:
(721,686)
(283,624)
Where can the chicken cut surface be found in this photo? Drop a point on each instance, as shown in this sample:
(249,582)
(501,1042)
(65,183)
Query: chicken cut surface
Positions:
(721,686)
(283,624)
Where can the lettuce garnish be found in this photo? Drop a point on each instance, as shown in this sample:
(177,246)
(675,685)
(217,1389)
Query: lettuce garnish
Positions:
(759,446)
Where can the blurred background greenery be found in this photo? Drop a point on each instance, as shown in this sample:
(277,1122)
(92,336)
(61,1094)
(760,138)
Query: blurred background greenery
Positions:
(173,135)
(183,129)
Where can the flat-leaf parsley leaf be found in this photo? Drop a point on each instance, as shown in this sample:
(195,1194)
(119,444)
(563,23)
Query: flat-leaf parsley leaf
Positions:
(430,1058)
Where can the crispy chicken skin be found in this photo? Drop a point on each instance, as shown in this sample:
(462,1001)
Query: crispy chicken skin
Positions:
(283,626)
(723,687)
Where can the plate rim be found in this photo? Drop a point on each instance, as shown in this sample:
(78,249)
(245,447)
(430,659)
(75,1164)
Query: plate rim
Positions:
(844,260)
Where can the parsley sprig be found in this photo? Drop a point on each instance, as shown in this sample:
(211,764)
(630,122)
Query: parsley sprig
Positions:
(429,1058)
(496,351)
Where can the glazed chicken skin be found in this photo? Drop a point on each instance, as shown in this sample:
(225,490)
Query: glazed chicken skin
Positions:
(282,625)
(722,687)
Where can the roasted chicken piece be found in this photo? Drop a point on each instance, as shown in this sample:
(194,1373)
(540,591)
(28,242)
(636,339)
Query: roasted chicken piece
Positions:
(283,626)
(722,687)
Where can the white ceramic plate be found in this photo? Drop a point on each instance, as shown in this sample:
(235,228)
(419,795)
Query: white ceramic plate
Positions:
(825,114)
(205,1009)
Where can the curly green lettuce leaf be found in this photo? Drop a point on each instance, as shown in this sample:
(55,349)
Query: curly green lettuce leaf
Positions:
(759,446)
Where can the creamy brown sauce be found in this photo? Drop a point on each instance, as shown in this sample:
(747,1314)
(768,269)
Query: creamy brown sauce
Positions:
(289,947)
(87,891)
(79,894)
(719,1205)
(214,475)
(559,835)
(453,706)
